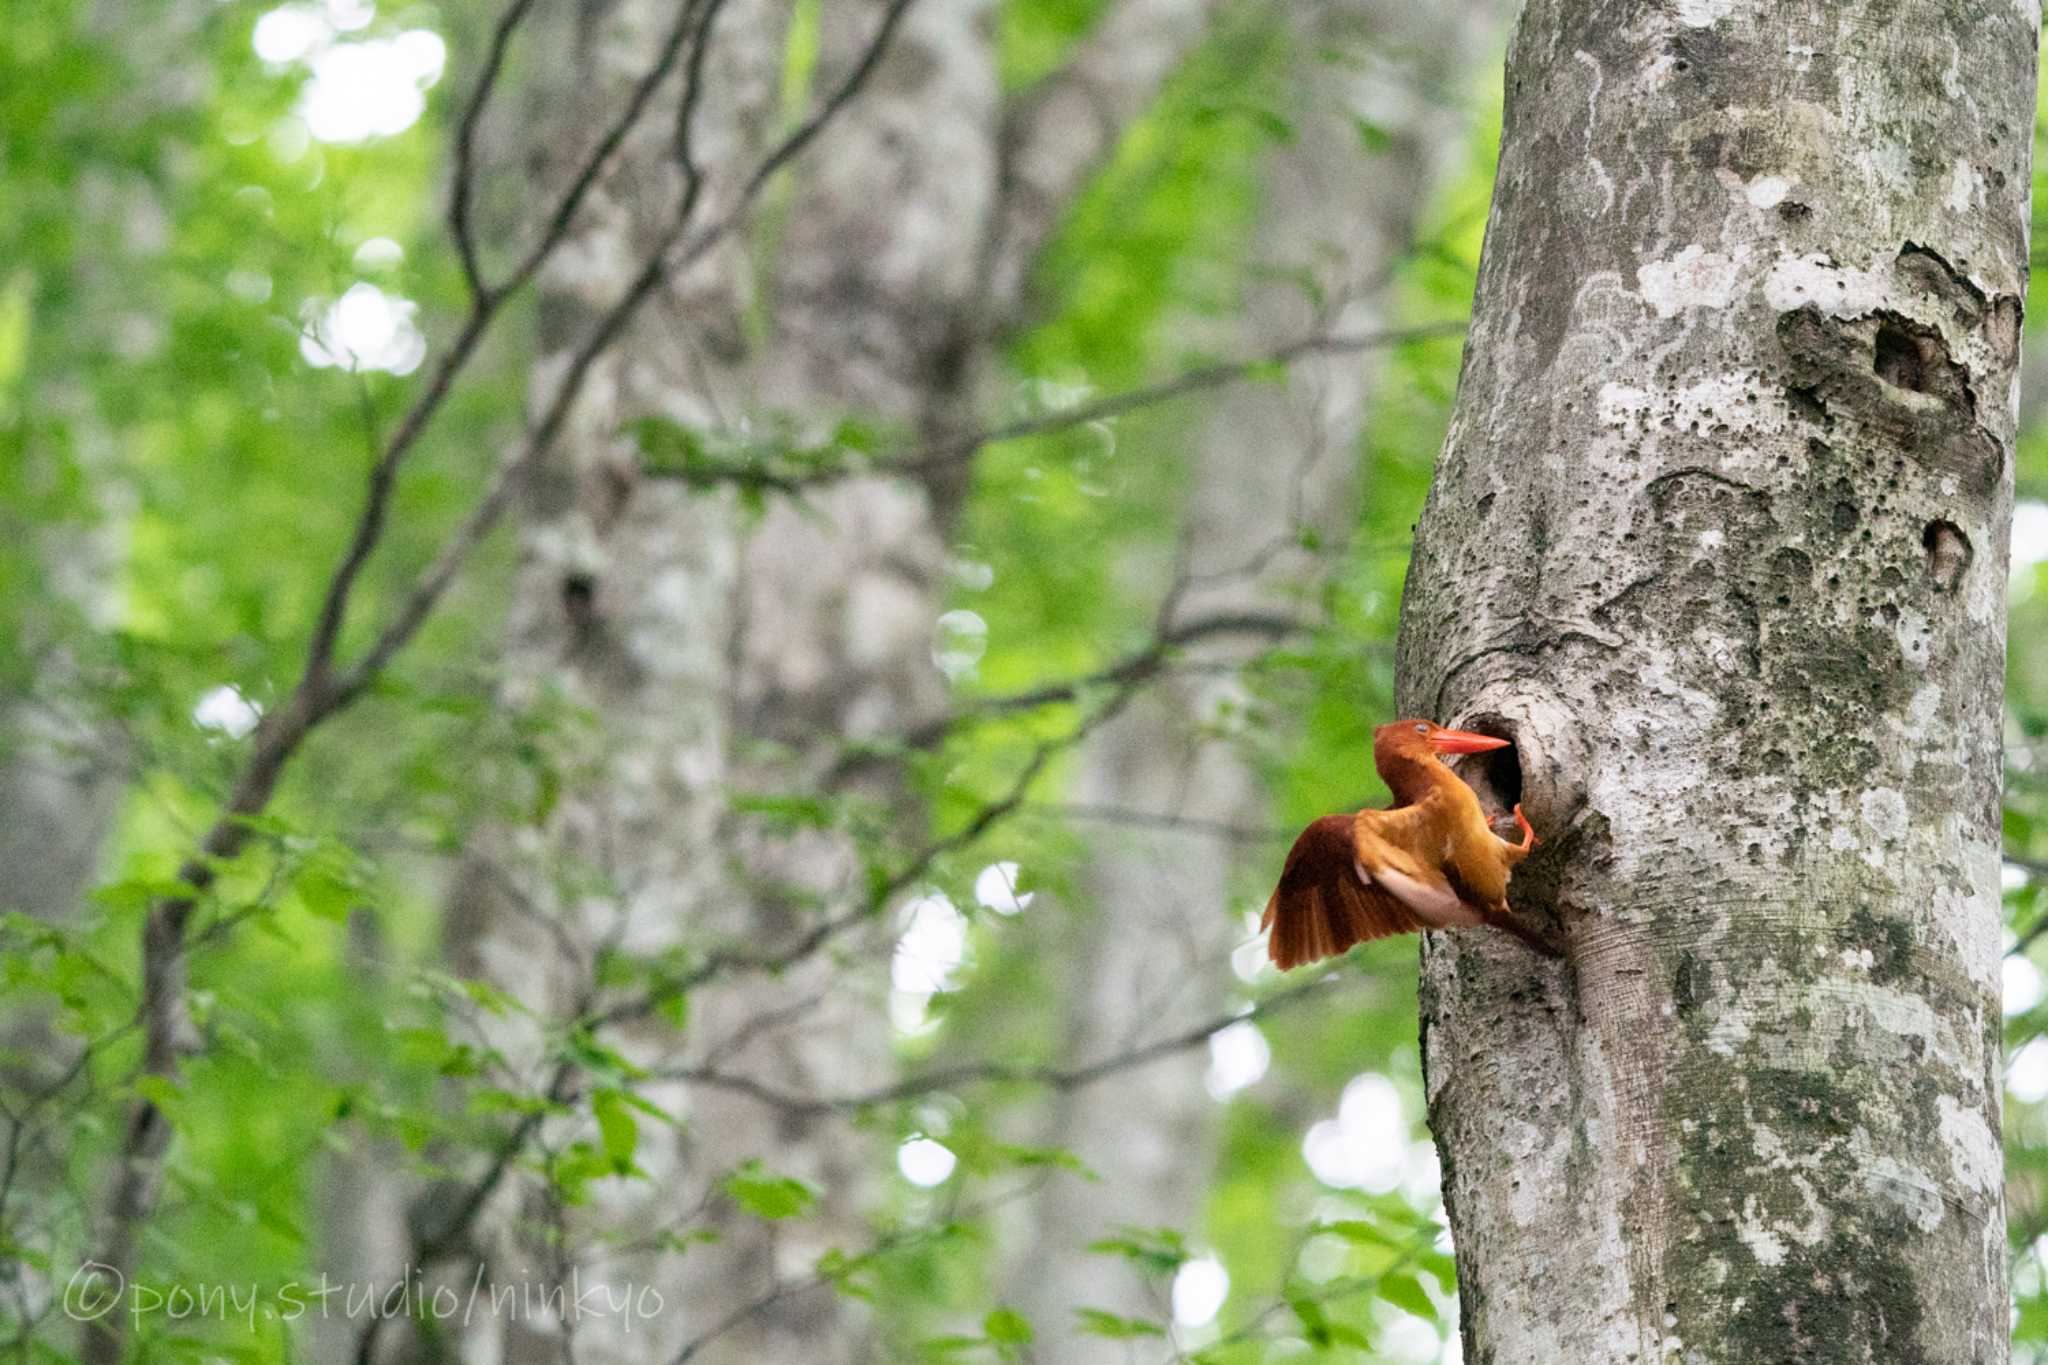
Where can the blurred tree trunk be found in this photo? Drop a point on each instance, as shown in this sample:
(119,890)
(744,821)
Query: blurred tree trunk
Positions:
(1274,467)
(1719,535)
(57,794)
(713,652)
(83,235)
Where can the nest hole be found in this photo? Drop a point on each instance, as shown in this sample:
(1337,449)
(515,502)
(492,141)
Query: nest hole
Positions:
(1495,776)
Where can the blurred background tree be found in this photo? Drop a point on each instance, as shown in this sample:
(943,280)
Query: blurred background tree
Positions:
(802,867)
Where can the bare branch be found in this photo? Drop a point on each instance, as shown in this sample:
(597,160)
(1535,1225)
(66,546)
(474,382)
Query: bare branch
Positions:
(1166,820)
(455,551)
(2036,870)
(485,304)
(564,216)
(724,961)
(463,189)
(997,1073)
(931,458)
(1140,666)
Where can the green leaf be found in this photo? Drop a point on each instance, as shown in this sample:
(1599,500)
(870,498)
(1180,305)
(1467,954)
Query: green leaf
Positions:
(675,1007)
(1358,1231)
(15,299)
(1096,1322)
(945,1348)
(618,1132)
(490,998)
(1008,1326)
(670,447)
(582,1047)
(139,893)
(1371,136)
(1057,1158)
(327,894)
(785,811)
(160,1091)
(494,1100)
(1404,1291)
(573,1169)
(765,1194)
(1157,1251)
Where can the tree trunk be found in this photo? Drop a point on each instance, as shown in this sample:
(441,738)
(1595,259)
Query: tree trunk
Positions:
(716,653)
(1149,954)
(1719,536)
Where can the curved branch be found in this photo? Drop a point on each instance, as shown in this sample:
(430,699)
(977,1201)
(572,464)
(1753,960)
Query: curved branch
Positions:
(996,1073)
(933,457)
(463,190)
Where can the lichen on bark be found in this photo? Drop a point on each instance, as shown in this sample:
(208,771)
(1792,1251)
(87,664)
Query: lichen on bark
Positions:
(1718,534)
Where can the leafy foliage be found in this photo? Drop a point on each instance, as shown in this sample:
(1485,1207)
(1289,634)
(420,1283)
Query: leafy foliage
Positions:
(176,480)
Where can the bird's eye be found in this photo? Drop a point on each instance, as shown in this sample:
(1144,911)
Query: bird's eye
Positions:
(1422,729)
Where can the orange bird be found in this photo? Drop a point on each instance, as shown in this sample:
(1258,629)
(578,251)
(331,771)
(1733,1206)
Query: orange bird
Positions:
(1428,862)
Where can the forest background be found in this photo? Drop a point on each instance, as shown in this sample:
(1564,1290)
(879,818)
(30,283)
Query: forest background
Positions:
(805,864)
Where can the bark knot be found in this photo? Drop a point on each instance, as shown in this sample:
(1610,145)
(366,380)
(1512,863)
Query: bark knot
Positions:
(1895,379)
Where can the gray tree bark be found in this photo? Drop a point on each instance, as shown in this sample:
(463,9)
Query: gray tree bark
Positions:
(1149,954)
(1718,535)
(713,653)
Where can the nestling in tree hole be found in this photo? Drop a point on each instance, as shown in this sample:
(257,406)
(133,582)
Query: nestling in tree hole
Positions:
(1430,861)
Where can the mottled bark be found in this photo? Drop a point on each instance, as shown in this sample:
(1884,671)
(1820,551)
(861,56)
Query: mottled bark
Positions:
(57,794)
(832,627)
(1718,534)
(717,654)
(1150,952)
(622,610)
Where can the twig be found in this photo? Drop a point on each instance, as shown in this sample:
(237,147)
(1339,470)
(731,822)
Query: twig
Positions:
(722,961)
(464,188)
(986,1073)
(1167,820)
(1139,666)
(787,1289)
(933,457)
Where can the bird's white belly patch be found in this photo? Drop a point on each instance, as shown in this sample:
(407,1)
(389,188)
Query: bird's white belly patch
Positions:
(1437,906)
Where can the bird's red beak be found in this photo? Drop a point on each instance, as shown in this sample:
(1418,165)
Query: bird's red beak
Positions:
(1463,742)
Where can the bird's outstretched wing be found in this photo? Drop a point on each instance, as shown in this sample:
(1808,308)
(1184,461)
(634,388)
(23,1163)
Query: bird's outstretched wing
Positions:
(1321,906)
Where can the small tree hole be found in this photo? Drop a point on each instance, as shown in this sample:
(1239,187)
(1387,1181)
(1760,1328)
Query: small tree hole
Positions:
(1899,360)
(1948,554)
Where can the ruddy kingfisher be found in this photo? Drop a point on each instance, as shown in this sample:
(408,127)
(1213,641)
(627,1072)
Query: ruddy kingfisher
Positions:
(1429,861)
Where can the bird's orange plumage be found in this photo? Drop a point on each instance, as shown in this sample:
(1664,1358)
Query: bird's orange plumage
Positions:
(1427,862)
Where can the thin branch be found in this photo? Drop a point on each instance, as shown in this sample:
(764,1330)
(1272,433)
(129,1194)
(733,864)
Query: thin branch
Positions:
(931,458)
(722,961)
(485,304)
(998,1073)
(455,551)
(1166,820)
(788,1289)
(564,215)
(2037,870)
(1135,667)
(464,187)
(1140,666)
(448,1236)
